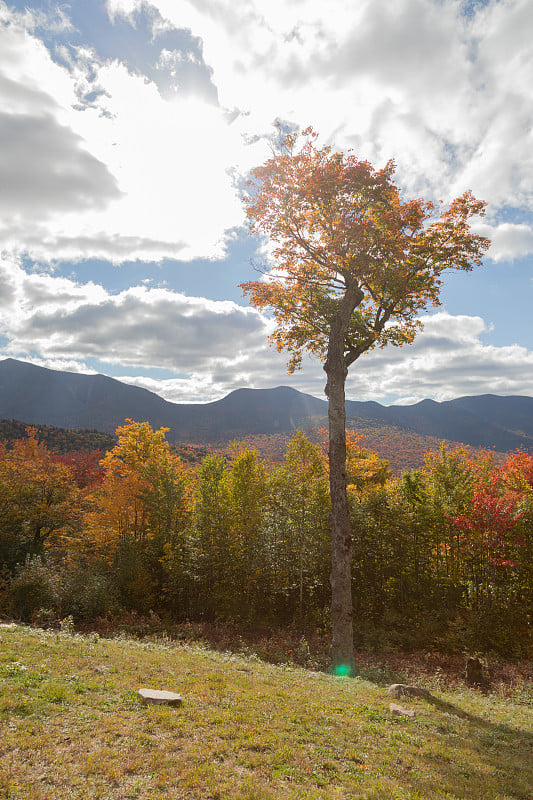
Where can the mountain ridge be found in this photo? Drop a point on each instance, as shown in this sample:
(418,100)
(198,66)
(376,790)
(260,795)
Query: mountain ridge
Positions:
(39,395)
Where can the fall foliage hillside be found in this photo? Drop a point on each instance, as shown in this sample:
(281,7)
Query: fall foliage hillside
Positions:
(403,449)
(58,440)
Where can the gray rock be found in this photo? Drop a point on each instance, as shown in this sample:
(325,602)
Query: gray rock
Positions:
(404,690)
(159,697)
(400,711)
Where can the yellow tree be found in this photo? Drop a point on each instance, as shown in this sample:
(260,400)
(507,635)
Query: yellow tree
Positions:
(354,266)
(141,507)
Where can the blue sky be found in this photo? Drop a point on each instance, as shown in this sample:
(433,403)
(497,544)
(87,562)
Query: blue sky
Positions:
(127,127)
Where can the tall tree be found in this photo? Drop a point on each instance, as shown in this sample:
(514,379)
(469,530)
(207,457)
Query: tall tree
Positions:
(354,266)
(247,500)
(299,507)
(211,538)
(139,512)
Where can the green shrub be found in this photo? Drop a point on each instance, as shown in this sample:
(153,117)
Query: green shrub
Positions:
(85,594)
(34,586)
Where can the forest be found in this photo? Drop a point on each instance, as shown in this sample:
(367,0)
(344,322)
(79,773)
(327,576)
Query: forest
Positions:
(443,555)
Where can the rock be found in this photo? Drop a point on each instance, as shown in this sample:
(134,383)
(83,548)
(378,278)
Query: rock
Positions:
(403,690)
(400,711)
(474,673)
(159,697)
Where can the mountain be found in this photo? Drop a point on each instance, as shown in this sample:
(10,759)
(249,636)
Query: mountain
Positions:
(503,423)
(37,395)
(64,399)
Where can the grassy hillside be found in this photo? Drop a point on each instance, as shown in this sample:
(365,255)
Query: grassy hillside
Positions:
(72,727)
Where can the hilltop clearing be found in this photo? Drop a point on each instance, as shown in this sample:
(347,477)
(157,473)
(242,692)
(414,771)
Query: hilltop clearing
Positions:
(73,726)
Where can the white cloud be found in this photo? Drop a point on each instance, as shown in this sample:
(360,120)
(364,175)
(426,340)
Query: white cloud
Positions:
(444,93)
(138,327)
(99,164)
(53,20)
(448,359)
(45,170)
(509,240)
(215,347)
(145,176)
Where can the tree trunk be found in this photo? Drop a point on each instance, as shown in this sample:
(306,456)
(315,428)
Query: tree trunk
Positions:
(342,649)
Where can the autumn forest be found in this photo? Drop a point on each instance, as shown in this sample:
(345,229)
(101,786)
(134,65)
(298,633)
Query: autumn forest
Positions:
(443,555)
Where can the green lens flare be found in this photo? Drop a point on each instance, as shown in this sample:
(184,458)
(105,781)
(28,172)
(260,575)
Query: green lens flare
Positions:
(343,671)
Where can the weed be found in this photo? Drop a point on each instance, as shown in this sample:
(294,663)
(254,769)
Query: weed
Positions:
(54,691)
(67,625)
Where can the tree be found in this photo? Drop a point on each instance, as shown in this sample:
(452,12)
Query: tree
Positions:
(86,470)
(299,502)
(488,532)
(140,510)
(450,477)
(247,500)
(39,501)
(354,265)
(212,537)
(363,467)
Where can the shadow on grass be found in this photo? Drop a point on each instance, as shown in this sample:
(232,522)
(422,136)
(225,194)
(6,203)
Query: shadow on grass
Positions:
(478,760)
(493,759)
(450,708)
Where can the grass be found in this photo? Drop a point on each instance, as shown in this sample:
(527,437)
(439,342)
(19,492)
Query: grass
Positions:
(72,727)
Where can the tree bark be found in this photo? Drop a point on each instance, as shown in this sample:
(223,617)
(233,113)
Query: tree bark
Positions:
(342,649)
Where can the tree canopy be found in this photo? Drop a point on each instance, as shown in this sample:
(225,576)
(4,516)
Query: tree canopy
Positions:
(354,265)
(345,242)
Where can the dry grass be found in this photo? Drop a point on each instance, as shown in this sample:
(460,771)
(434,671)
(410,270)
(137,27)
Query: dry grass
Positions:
(72,727)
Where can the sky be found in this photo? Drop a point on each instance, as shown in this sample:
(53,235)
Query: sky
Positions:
(128,127)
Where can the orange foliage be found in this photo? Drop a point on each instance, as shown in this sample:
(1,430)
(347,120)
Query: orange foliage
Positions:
(347,246)
(38,497)
(144,492)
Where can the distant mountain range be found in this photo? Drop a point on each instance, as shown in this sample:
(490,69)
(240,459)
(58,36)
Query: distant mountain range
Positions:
(37,395)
